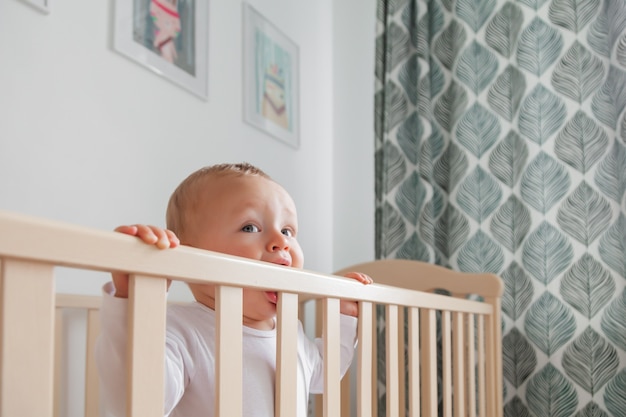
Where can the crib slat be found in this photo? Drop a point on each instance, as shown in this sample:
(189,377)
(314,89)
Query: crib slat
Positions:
(26,339)
(494,351)
(58,359)
(392,389)
(470,365)
(374,364)
(229,351)
(447,366)
(428,336)
(414,362)
(286,355)
(332,390)
(92,407)
(401,363)
(365,355)
(147,304)
(458,364)
(482,398)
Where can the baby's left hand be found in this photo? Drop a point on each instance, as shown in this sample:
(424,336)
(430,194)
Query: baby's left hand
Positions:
(348,307)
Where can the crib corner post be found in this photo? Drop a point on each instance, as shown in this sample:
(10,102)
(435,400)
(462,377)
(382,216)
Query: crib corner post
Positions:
(26,339)
(494,359)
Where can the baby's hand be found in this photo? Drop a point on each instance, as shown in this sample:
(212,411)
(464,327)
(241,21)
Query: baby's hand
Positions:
(351,308)
(152,235)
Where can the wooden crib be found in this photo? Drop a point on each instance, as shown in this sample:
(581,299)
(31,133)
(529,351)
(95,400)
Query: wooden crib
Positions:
(469,345)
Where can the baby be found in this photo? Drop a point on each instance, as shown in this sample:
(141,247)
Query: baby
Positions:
(239,210)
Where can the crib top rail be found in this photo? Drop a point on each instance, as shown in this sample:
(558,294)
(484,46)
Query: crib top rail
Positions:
(57,243)
(31,248)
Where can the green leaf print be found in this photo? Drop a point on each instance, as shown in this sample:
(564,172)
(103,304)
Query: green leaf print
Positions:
(541,115)
(410,198)
(451,231)
(474,12)
(450,168)
(611,175)
(573,15)
(613,246)
(609,101)
(615,395)
(519,358)
(546,253)
(590,361)
(549,394)
(394,166)
(450,106)
(518,291)
(609,25)
(408,73)
(538,47)
(581,143)
(506,93)
(510,223)
(549,324)
(449,43)
(480,254)
(503,29)
(578,73)
(508,159)
(478,130)
(544,183)
(414,249)
(584,214)
(430,151)
(587,286)
(479,194)
(516,408)
(613,324)
(409,136)
(591,410)
(477,66)
(393,228)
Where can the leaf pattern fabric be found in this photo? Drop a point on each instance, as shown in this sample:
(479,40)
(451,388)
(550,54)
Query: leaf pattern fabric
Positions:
(500,130)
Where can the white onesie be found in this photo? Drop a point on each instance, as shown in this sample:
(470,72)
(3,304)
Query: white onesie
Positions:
(190,361)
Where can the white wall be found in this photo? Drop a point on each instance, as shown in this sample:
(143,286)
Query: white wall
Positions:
(354,23)
(90,137)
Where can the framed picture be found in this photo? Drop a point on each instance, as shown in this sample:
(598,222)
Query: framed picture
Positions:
(42,5)
(170,37)
(271,79)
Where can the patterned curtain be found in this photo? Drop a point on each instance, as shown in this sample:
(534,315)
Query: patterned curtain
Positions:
(501,147)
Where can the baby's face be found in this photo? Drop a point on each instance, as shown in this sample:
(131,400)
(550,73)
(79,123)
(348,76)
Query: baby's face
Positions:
(252,217)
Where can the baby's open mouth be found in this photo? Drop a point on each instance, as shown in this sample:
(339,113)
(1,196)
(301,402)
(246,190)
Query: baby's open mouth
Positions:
(272,296)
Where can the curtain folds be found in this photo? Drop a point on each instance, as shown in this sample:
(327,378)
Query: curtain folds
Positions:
(501,147)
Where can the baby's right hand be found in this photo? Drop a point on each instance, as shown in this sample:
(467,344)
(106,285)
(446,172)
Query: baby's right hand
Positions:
(152,235)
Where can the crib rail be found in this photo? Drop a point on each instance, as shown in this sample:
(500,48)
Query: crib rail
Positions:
(31,248)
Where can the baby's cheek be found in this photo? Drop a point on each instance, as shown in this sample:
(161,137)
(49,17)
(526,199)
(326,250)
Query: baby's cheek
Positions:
(350,308)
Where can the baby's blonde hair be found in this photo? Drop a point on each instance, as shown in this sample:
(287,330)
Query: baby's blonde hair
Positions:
(185,198)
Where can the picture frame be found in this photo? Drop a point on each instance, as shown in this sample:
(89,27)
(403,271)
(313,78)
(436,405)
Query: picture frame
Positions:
(41,5)
(169,37)
(271,81)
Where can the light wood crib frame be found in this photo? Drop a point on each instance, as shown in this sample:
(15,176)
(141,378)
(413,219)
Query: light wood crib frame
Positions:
(31,249)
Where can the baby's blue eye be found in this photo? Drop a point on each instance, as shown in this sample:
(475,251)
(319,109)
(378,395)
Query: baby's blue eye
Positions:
(287,232)
(250,228)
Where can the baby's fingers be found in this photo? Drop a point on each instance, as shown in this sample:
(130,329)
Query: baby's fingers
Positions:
(359,276)
(152,235)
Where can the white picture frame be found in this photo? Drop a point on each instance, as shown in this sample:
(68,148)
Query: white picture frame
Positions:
(169,37)
(271,80)
(41,5)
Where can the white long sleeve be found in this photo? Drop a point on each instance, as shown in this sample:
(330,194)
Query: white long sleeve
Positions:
(190,361)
